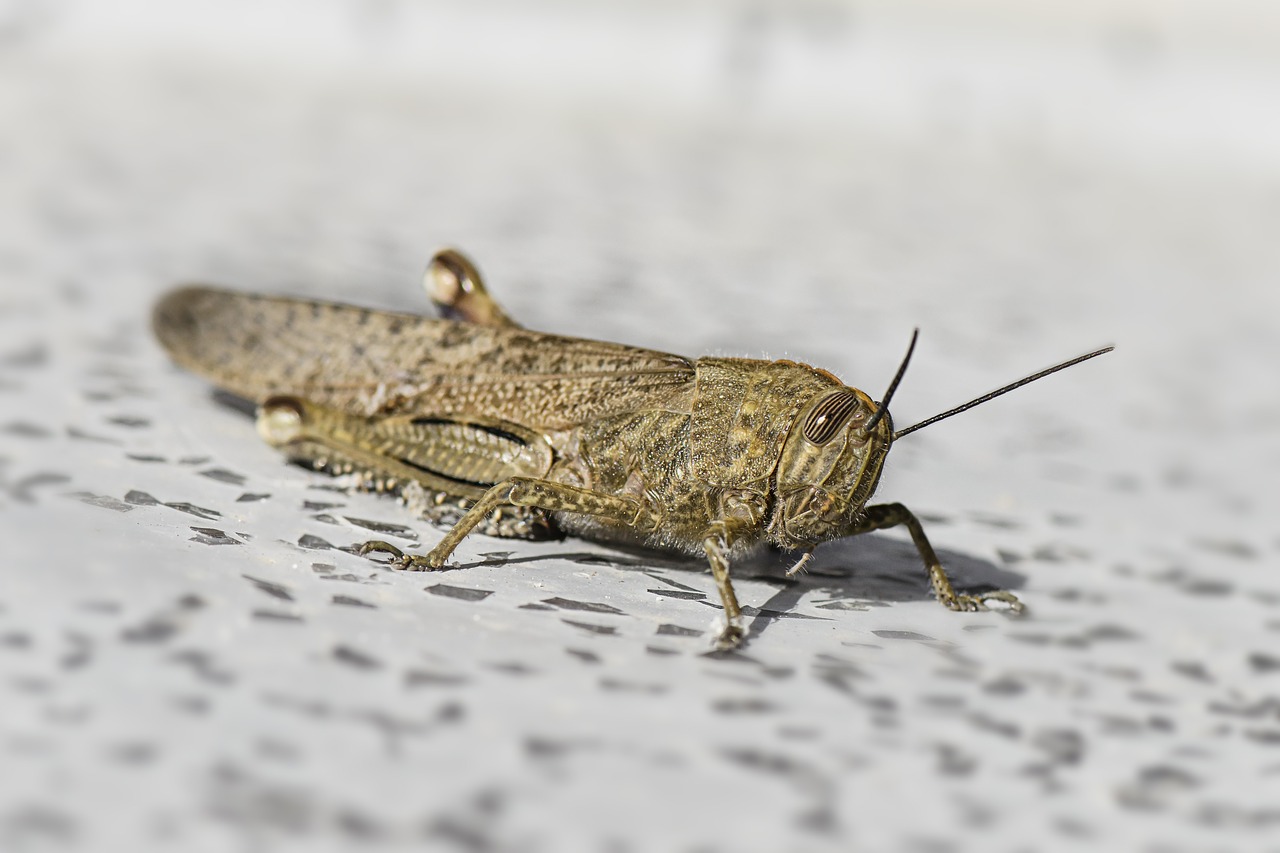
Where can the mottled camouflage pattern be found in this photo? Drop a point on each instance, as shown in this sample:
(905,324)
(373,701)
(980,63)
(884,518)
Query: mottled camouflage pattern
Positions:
(524,432)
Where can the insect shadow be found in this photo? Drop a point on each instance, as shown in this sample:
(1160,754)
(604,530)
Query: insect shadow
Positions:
(856,573)
(862,572)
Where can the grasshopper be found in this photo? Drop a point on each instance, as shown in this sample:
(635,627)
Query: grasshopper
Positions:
(482,424)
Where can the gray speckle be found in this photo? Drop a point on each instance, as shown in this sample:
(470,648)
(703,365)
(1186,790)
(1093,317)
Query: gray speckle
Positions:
(24,490)
(139,498)
(192,509)
(663,579)
(349,601)
(1063,746)
(1110,633)
(1155,786)
(15,640)
(743,705)
(351,657)
(769,613)
(583,606)
(134,753)
(1266,737)
(601,630)
(157,629)
(109,608)
(901,635)
(987,723)
(619,685)
(222,475)
(81,435)
(397,530)
(129,421)
(103,501)
(848,604)
(1264,663)
(459,592)
(33,355)
(955,761)
(1006,686)
(275,590)
(25,429)
(1229,547)
(1207,587)
(678,593)
(514,667)
(426,678)
(33,826)
(276,615)
(212,536)
(239,800)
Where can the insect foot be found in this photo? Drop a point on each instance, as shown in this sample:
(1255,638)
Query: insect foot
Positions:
(399,559)
(970,603)
(730,635)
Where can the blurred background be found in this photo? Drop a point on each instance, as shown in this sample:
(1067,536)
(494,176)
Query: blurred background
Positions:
(807,179)
(832,155)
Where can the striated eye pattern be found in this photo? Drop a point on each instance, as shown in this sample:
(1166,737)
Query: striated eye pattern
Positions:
(829,416)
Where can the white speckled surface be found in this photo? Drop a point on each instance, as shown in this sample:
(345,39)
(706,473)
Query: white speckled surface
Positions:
(186,665)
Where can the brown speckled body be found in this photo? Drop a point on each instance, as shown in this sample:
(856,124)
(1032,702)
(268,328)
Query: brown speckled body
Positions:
(682,461)
(491,427)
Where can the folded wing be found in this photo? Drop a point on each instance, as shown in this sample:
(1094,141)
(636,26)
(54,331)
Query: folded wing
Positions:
(371,362)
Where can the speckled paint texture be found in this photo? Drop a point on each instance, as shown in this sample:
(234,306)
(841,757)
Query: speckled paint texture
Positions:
(193,658)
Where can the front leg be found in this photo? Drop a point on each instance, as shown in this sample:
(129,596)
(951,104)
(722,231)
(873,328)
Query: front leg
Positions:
(891,515)
(740,515)
(526,492)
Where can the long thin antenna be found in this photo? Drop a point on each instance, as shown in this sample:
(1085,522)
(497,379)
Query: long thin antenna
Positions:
(996,393)
(893,386)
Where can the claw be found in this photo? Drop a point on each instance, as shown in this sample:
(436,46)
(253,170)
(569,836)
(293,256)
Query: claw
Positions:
(979,601)
(399,559)
(730,636)
(377,546)
(1015,606)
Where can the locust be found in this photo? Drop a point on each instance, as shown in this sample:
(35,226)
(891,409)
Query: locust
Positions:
(483,425)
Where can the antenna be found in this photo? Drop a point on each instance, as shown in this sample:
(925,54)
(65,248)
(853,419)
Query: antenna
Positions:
(893,386)
(996,393)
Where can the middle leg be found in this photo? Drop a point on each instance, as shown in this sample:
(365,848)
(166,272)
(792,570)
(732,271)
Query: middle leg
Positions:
(524,492)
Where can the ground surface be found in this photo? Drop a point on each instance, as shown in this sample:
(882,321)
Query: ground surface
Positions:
(189,660)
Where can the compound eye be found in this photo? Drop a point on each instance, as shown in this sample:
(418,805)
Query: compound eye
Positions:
(829,416)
